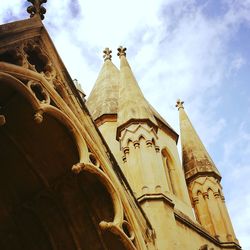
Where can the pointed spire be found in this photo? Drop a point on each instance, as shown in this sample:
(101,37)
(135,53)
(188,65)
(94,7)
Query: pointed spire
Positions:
(195,158)
(36,8)
(103,98)
(132,106)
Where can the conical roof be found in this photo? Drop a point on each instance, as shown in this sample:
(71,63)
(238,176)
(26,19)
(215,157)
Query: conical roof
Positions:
(132,105)
(103,98)
(112,85)
(196,160)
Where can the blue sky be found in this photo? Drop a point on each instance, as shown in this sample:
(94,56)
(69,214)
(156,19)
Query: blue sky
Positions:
(196,50)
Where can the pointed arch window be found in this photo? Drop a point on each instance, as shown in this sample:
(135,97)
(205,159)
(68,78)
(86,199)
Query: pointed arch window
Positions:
(168,167)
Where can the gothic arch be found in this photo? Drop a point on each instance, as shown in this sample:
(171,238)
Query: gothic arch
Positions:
(169,166)
(26,146)
(198,192)
(40,109)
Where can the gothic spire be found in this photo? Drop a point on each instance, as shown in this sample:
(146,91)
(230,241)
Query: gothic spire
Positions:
(195,158)
(132,106)
(104,95)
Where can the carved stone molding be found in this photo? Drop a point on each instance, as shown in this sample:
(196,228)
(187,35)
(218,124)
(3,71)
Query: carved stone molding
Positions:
(196,200)
(39,92)
(36,8)
(115,226)
(38,116)
(31,54)
(41,107)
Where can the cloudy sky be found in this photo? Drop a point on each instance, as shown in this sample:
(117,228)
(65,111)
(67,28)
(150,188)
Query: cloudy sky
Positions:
(196,50)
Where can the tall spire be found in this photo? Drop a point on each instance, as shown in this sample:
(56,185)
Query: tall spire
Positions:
(196,160)
(103,98)
(36,8)
(132,106)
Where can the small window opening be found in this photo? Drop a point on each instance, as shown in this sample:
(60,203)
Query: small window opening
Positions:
(38,91)
(11,57)
(37,59)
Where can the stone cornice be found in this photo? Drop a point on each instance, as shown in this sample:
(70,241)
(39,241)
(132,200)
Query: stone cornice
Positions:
(182,218)
(155,196)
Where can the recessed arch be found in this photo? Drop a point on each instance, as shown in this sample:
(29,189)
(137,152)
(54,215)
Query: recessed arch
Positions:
(167,154)
(50,149)
(169,166)
(198,192)
(20,88)
(40,108)
(141,137)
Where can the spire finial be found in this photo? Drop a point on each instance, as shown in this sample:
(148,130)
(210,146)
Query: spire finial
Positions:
(36,8)
(121,51)
(179,104)
(107,54)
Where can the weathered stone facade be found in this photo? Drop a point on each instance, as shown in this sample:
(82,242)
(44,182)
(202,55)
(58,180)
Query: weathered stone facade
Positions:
(100,174)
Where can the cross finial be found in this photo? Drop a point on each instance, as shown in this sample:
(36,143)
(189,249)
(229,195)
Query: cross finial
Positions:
(36,8)
(179,104)
(107,54)
(121,51)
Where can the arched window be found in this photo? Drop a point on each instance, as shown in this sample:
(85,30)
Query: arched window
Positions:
(168,167)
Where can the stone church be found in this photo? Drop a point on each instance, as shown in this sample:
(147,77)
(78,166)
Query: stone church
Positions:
(102,173)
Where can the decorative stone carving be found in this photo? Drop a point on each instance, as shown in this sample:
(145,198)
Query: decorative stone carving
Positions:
(107,54)
(38,59)
(36,8)
(77,168)
(39,92)
(121,51)
(179,104)
(38,116)
(196,200)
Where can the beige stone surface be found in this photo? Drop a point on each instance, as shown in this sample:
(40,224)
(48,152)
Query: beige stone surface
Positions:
(114,184)
(103,98)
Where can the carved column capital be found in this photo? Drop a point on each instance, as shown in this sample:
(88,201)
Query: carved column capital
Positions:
(149,143)
(196,200)
(205,195)
(136,144)
(124,158)
(126,150)
(157,149)
(216,195)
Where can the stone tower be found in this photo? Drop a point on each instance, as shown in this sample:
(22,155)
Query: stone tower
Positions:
(145,147)
(98,174)
(203,182)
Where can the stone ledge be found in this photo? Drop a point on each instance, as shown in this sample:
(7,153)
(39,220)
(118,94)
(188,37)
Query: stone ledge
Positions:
(198,228)
(155,196)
